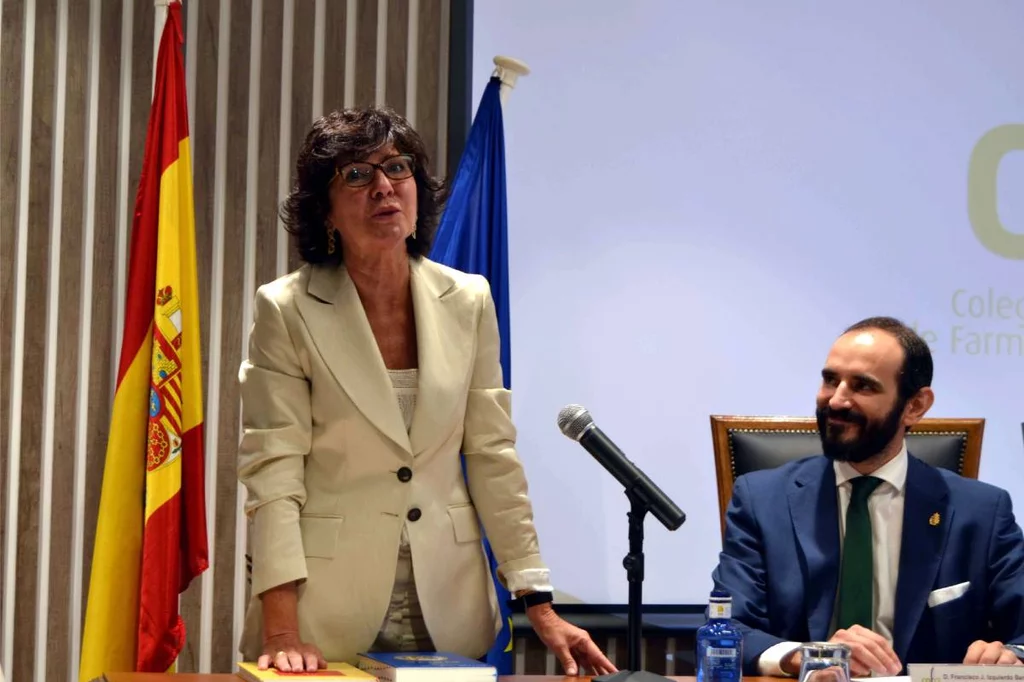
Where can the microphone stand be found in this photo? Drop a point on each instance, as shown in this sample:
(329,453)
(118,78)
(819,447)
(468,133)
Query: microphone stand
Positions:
(634,565)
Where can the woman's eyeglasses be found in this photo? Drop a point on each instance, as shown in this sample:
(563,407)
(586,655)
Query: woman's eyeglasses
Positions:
(360,173)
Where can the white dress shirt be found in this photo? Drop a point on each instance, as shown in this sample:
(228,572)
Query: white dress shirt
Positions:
(885,507)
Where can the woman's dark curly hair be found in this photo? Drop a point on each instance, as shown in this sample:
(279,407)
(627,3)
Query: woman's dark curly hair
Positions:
(342,137)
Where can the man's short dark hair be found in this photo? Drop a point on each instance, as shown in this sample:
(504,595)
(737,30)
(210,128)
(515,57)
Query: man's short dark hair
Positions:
(916,372)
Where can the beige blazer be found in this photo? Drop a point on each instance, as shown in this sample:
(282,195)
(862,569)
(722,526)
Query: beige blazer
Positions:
(323,440)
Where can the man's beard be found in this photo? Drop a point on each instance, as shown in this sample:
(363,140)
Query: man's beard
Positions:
(872,439)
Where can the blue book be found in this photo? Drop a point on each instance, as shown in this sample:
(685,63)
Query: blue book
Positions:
(427,666)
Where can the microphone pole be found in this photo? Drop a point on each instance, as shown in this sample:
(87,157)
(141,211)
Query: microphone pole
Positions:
(634,565)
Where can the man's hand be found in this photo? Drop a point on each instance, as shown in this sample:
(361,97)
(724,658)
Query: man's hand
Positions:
(571,645)
(981,653)
(869,653)
(790,663)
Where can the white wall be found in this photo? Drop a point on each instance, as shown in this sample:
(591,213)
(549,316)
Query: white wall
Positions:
(701,197)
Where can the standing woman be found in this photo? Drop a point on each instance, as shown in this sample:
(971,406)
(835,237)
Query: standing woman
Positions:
(370,369)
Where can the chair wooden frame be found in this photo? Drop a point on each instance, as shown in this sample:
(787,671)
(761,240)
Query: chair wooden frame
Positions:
(722,426)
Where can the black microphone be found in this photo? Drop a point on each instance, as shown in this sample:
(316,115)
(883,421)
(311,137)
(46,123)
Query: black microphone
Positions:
(576,423)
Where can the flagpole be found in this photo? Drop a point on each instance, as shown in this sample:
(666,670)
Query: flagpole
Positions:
(508,70)
(159,19)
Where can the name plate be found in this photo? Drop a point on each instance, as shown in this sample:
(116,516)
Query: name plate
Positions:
(947,672)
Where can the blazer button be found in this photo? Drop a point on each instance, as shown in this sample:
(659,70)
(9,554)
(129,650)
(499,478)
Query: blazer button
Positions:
(414,514)
(405,474)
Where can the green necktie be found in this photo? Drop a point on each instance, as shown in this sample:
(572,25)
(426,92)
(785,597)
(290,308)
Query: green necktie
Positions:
(856,576)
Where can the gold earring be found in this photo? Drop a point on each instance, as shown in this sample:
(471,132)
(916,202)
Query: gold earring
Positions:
(331,246)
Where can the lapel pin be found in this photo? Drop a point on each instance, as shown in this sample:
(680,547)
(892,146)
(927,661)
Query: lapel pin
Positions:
(934,519)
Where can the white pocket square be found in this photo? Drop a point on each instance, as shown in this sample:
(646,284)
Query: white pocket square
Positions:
(947,594)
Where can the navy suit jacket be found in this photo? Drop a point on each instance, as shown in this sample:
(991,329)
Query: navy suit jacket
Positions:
(780,561)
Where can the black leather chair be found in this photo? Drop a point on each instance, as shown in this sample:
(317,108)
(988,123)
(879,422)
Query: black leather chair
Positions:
(744,444)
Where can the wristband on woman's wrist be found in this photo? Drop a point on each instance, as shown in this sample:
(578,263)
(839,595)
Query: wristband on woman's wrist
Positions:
(536,598)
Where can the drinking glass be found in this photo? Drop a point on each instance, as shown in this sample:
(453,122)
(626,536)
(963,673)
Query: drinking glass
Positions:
(824,662)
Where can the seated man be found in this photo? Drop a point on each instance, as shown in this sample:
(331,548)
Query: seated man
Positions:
(866,545)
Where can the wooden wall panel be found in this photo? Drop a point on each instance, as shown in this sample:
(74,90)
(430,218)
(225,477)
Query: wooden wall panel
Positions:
(204,110)
(40,171)
(65,382)
(103,363)
(334,55)
(302,94)
(11,52)
(366,52)
(223,550)
(395,59)
(267,230)
(427,80)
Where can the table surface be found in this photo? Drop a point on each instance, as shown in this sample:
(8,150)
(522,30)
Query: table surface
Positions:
(159,677)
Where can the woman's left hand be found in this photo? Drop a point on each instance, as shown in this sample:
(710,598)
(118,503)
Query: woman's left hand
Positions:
(573,646)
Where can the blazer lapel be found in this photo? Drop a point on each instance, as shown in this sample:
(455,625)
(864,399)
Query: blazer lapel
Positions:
(444,339)
(813,509)
(927,519)
(341,332)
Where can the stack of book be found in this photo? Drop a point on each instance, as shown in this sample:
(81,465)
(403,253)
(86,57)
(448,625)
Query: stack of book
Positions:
(334,672)
(426,667)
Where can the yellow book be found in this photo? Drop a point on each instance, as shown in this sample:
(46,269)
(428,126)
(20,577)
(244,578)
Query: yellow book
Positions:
(334,672)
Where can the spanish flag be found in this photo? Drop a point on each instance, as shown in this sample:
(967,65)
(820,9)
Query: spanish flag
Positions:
(151,529)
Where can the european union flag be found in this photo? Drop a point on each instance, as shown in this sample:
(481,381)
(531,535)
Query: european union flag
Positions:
(473,237)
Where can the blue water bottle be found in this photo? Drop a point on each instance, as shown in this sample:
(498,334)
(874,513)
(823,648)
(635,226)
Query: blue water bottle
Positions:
(719,643)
